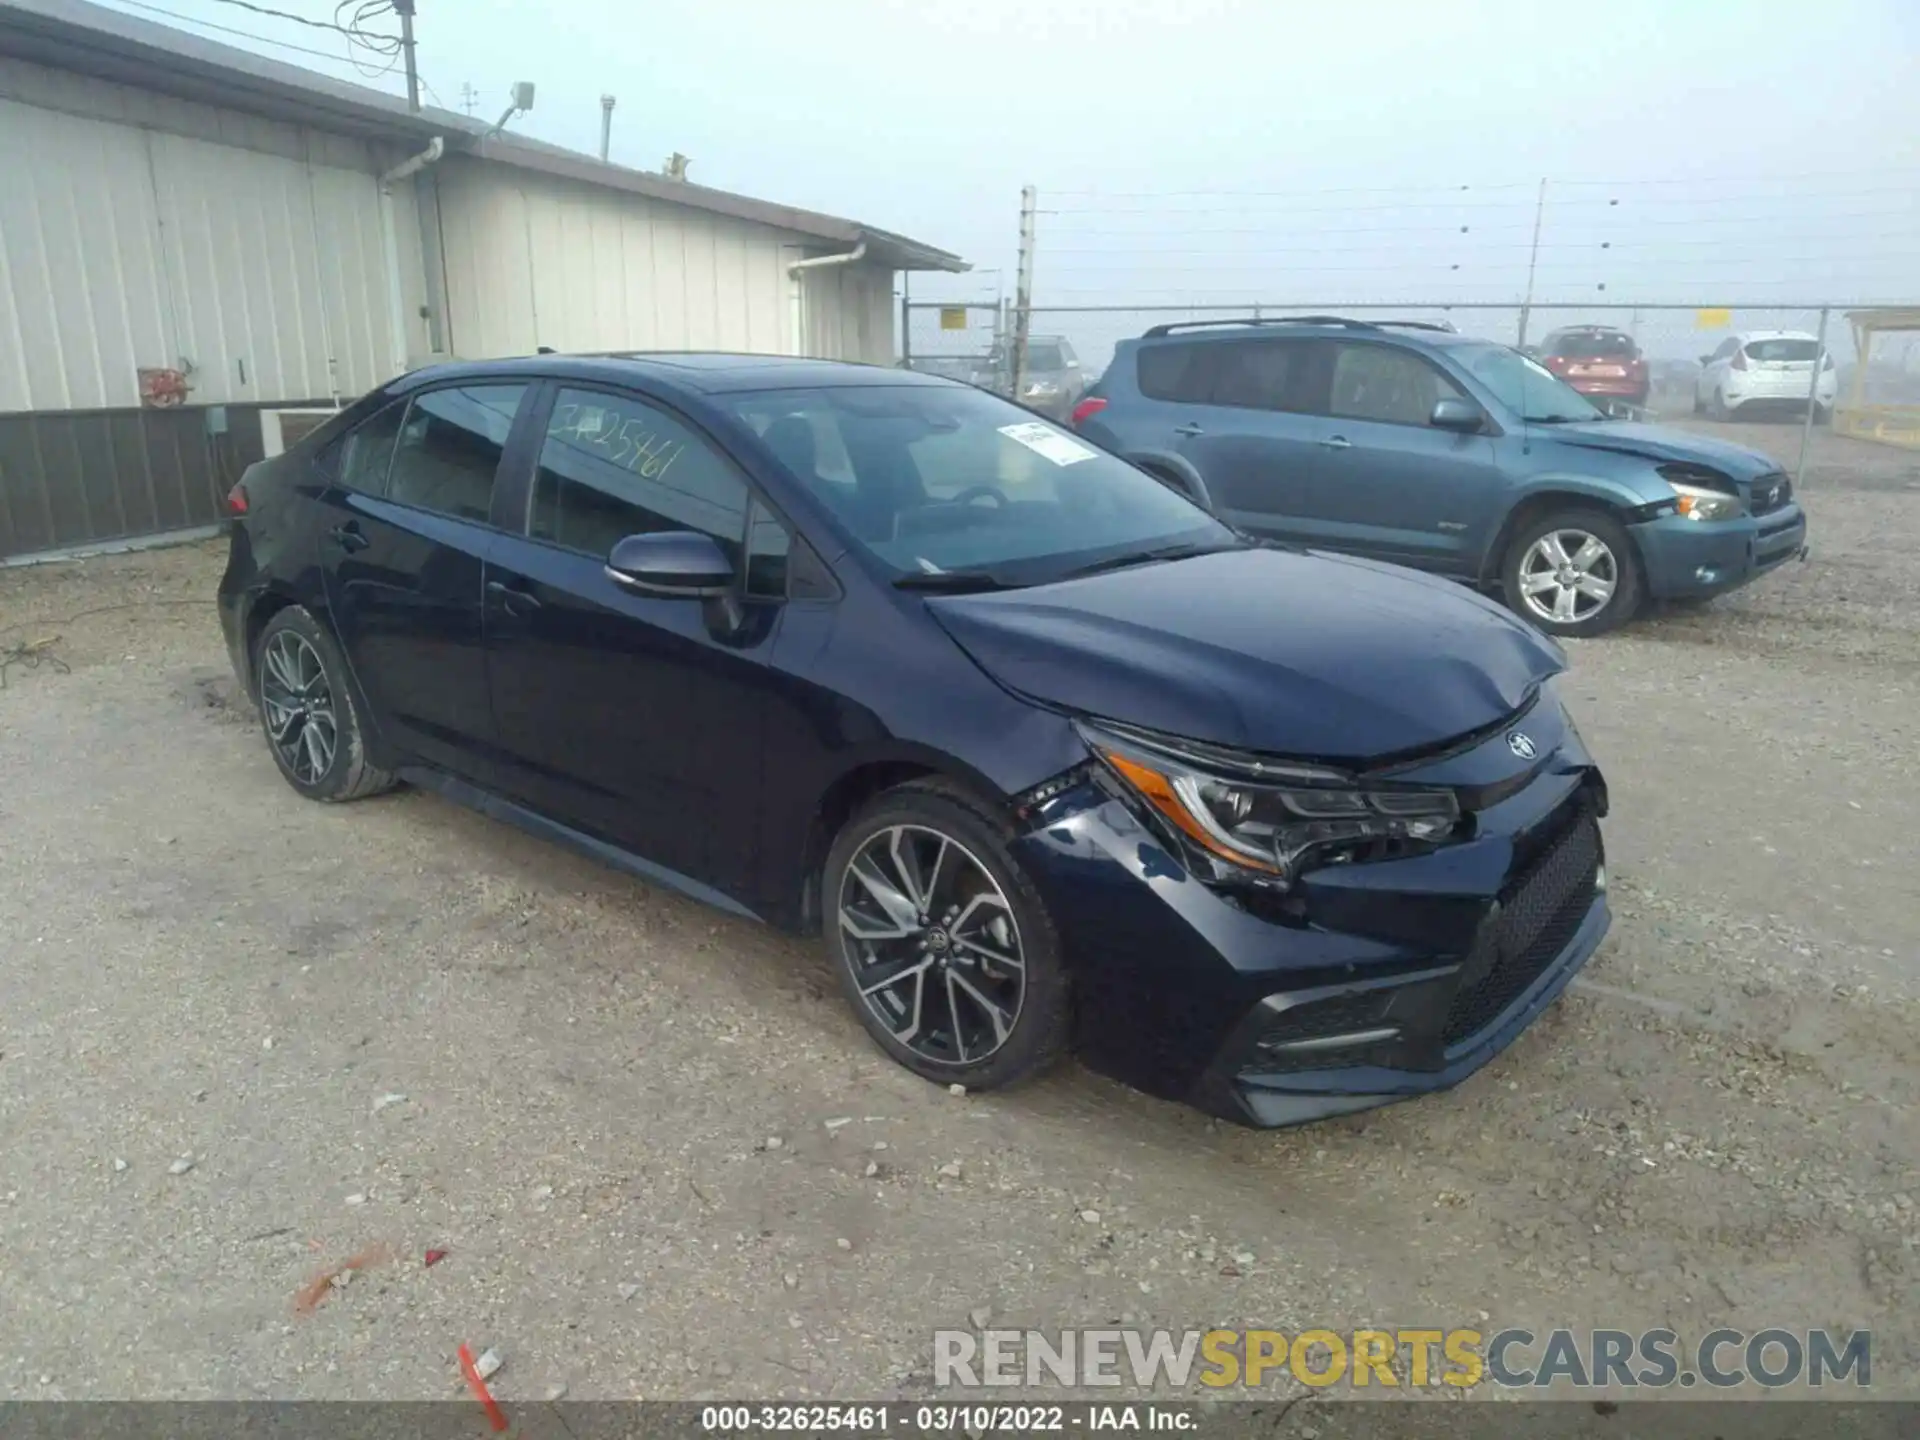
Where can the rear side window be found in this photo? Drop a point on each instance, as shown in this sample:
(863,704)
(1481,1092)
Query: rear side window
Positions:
(366,451)
(613,466)
(1176,371)
(1777,350)
(450,447)
(1263,374)
(1395,387)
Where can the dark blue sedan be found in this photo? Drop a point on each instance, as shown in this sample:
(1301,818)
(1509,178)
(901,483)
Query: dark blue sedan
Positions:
(1050,756)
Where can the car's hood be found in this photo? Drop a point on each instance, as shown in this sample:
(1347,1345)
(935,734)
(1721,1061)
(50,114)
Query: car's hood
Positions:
(1315,656)
(1657,442)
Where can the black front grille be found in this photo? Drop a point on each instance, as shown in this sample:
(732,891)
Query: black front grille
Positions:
(1339,1015)
(1539,915)
(1770,493)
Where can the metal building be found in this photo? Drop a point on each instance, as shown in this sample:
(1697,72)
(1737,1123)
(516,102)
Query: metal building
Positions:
(194,239)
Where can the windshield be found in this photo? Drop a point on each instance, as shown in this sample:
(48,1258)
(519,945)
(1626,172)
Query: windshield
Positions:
(1524,386)
(1776,350)
(932,479)
(1600,345)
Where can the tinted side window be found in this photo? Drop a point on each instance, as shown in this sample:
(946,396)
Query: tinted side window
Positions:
(767,547)
(450,447)
(1262,374)
(367,450)
(1376,382)
(1178,371)
(613,466)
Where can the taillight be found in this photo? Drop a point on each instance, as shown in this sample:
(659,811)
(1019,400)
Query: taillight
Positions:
(237,499)
(1740,359)
(1088,408)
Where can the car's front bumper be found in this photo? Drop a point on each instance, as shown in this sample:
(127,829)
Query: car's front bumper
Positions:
(1689,559)
(1369,983)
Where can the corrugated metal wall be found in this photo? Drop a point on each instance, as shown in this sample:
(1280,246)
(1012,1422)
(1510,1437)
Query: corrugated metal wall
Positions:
(538,260)
(141,232)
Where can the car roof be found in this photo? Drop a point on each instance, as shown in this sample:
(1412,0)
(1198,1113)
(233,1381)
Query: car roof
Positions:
(701,371)
(1227,330)
(1744,336)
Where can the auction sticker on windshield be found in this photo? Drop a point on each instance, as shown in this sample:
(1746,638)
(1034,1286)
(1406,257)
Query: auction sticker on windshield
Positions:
(1048,443)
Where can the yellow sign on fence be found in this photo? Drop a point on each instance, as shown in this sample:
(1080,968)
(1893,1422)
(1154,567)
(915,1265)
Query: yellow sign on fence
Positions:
(1713,319)
(953,317)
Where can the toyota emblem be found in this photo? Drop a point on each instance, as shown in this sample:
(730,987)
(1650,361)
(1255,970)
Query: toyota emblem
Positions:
(1521,745)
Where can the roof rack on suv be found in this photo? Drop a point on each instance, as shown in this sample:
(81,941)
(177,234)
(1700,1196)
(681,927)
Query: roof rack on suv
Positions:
(1343,321)
(1173,325)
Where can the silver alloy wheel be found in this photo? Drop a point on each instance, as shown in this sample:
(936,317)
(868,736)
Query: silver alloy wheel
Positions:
(298,704)
(1568,576)
(933,944)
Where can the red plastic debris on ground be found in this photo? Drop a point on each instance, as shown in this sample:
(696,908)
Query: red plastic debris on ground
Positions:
(322,1284)
(479,1387)
(434,1257)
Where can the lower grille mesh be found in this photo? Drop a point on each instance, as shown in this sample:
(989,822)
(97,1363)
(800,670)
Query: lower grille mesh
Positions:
(1538,919)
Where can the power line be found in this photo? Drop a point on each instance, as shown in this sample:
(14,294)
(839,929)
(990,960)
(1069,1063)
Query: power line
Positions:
(279,14)
(230,30)
(1692,181)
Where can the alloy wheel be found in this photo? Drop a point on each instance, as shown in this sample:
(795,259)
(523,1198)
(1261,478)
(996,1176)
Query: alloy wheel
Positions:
(1568,576)
(297,702)
(933,944)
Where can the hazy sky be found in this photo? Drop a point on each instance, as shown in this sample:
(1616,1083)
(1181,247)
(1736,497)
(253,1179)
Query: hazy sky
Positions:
(1233,149)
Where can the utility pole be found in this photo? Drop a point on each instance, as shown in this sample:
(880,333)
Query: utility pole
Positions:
(1023,293)
(469,97)
(1533,261)
(404,9)
(606,127)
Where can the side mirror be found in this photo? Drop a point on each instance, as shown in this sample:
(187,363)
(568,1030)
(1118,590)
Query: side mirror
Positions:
(671,562)
(1452,414)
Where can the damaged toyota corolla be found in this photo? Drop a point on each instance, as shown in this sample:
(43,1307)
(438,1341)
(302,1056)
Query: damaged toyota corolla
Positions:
(1051,759)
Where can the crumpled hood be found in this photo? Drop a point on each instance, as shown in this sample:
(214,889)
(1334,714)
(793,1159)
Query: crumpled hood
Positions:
(1287,653)
(1657,442)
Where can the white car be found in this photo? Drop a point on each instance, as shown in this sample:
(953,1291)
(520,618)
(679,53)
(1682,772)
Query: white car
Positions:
(1765,370)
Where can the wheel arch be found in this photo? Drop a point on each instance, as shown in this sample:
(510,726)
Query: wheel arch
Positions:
(858,784)
(1558,494)
(1176,471)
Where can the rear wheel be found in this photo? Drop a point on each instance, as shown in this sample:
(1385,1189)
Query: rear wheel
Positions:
(1719,409)
(941,943)
(1572,572)
(313,728)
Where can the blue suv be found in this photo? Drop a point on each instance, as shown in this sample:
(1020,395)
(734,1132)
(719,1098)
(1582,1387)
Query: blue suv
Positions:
(1407,442)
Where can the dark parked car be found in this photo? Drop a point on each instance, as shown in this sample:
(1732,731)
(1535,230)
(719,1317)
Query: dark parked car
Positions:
(1448,454)
(1599,362)
(1055,380)
(1051,756)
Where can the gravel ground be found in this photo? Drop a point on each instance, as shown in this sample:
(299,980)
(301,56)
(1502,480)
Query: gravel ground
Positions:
(665,1161)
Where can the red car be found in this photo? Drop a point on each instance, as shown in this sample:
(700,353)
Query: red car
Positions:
(1600,363)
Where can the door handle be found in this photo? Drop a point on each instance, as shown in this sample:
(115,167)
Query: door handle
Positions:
(348,537)
(1337,442)
(513,599)
(1189,430)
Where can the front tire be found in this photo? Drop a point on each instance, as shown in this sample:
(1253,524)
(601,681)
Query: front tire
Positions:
(940,941)
(314,729)
(1572,572)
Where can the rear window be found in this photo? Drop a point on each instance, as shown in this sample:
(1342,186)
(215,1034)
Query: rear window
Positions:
(1595,347)
(1173,372)
(1045,357)
(1777,350)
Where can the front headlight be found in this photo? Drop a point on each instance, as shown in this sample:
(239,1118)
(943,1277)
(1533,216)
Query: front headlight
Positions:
(1698,504)
(1264,821)
(1699,492)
